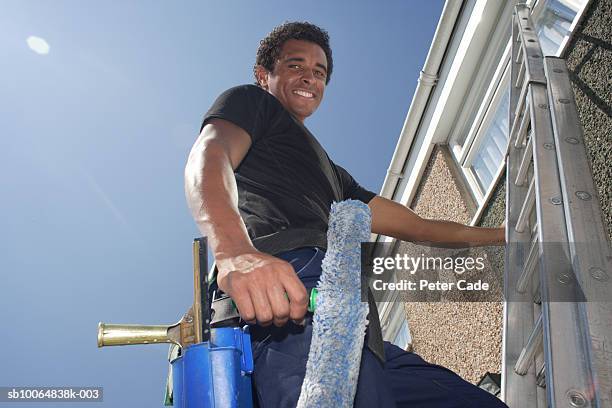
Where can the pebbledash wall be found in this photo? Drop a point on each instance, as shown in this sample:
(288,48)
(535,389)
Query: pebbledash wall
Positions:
(448,162)
(463,336)
(589,59)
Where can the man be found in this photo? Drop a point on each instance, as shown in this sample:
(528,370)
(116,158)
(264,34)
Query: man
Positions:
(260,187)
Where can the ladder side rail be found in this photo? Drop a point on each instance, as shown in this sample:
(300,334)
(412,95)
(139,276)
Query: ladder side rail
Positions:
(518,318)
(590,251)
(532,52)
(565,346)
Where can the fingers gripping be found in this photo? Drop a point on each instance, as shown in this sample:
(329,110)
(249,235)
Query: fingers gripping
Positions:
(268,293)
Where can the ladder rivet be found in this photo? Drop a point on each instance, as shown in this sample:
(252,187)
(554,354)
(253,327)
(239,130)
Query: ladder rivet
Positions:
(599,274)
(556,200)
(543,106)
(558,70)
(563,100)
(564,278)
(576,399)
(548,146)
(572,140)
(583,195)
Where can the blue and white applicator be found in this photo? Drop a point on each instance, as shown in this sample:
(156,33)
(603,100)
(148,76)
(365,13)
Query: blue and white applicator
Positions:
(339,322)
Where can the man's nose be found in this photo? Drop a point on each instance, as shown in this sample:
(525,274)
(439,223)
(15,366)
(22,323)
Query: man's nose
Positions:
(308,76)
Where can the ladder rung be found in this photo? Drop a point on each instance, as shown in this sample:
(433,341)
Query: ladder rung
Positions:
(541,376)
(519,51)
(534,342)
(522,171)
(523,217)
(522,131)
(530,266)
(518,113)
(537,296)
(521,74)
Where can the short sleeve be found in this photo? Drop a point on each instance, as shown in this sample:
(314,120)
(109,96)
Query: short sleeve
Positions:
(351,189)
(246,106)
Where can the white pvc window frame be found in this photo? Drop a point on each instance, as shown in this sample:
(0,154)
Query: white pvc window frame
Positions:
(482,133)
(537,10)
(402,338)
(465,152)
(395,326)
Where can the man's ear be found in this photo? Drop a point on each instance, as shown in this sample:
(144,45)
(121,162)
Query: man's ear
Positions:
(262,75)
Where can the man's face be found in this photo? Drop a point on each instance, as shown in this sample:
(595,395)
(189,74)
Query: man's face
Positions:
(298,78)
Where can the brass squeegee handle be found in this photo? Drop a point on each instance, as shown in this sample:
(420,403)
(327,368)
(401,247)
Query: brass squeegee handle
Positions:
(180,333)
(125,334)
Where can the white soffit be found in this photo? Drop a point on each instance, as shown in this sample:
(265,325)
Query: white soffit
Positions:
(479,29)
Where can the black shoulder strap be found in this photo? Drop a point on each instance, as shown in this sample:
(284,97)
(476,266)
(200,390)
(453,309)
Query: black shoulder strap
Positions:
(374,338)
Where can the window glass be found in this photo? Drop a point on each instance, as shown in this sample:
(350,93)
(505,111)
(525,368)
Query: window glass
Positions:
(554,22)
(492,150)
(481,81)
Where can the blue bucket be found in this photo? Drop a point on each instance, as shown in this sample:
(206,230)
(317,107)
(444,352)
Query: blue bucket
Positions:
(216,373)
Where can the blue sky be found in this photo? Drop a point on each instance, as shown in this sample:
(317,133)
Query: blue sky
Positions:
(94,139)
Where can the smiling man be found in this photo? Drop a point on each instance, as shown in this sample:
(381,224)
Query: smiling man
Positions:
(260,187)
(298,80)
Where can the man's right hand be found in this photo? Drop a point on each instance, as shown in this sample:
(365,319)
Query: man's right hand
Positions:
(265,289)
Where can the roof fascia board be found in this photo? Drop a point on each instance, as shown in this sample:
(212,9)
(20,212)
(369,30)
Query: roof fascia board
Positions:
(426,82)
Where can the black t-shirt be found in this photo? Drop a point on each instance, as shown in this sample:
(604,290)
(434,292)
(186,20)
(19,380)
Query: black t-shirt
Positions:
(286,182)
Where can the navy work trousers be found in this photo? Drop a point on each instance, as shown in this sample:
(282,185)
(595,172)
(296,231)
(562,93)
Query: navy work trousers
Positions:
(404,380)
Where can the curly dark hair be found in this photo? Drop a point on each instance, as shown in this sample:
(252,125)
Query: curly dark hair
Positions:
(270,47)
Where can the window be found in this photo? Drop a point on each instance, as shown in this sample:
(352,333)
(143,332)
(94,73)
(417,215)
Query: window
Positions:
(554,21)
(487,157)
(479,140)
(479,146)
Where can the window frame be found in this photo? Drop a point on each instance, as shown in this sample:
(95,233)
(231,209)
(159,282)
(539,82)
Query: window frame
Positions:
(480,135)
(402,332)
(465,153)
(538,8)
(395,323)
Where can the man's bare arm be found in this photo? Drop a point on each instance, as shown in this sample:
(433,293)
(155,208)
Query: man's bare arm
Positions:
(257,282)
(210,186)
(397,221)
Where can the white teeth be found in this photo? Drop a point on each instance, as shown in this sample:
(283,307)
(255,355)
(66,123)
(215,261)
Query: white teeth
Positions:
(303,93)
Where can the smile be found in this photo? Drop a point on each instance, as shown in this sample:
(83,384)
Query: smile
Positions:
(305,94)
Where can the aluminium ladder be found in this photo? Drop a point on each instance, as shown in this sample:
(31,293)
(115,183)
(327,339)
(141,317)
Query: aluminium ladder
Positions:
(557,341)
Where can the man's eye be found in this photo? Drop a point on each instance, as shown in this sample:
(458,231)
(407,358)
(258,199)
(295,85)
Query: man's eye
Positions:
(295,66)
(320,74)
